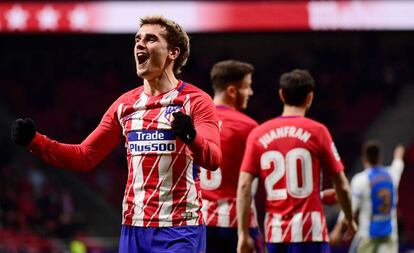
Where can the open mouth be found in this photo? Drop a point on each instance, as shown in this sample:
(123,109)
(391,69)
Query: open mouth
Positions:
(142,58)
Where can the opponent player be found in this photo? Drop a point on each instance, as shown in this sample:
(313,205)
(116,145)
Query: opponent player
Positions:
(288,153)
(375,196)
(169,127)
(231,82)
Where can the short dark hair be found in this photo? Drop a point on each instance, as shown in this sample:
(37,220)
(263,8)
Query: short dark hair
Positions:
(296,85)
(176,37)
(372,152)
(225,72)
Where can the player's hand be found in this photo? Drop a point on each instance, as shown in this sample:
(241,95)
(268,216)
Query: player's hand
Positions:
(183,127)
(399,152)
(328,197)
(23,131)
(351,229)
(335,237)
(245,244)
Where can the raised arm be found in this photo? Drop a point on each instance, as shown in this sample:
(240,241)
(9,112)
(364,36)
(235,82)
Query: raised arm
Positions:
(397,166)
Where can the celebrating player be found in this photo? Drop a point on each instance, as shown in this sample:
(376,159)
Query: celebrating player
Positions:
(288,153)
(374,196)
(231,82)
(169,127)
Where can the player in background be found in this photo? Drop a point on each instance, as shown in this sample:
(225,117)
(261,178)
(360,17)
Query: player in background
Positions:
(288,154)
(231,82)
(375,198)
(169,128)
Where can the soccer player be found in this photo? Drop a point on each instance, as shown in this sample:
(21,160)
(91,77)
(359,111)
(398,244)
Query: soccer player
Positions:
(169,127)
(288,153)
(375,196)
(231,82)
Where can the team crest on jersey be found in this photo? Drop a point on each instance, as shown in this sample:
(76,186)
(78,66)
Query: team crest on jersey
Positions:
(158,141)
(170,110)
(335,152)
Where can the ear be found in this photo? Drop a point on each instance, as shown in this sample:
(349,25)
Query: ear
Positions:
(231,91)
(309,99)
(282,97)
(365,162)
(173,53)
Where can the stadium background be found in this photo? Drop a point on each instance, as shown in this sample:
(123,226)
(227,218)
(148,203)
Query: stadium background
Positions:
(65,77)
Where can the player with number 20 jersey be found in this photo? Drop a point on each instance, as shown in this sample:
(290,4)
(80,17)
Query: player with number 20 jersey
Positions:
(288,154)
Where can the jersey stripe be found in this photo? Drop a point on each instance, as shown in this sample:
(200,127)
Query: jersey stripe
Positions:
(316,227)
(165,200)
(194,201)
(139,194)
(302,227)
(223,218)
(297,225)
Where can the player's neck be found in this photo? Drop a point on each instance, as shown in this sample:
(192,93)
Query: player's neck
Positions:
(223,101)
(289,110)
(368,165)
(161,84)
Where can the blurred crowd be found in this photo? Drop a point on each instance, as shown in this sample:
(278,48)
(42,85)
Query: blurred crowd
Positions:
(34,207)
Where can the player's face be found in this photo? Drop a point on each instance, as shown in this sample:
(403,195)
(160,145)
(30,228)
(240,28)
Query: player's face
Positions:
(151,51)
(244,91)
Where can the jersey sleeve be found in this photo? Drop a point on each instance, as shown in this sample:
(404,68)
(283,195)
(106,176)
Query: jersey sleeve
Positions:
(206,146)
(357,188)
(396,169)
(83,156)
(329,154)
(251,163)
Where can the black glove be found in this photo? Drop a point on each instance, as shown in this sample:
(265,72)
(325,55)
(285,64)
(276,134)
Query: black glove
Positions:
(184,127)
(23,131)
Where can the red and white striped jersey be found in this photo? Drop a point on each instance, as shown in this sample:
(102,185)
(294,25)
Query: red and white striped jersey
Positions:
(163,184)
(288,154)
(219,188)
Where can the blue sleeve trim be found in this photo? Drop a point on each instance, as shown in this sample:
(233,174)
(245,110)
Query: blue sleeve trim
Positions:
(181,87)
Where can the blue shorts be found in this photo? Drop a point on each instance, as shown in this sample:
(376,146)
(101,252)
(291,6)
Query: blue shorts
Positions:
(186,239)
(221,240)
(299,247)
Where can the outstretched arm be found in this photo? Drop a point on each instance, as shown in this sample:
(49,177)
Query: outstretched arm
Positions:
(80,157)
